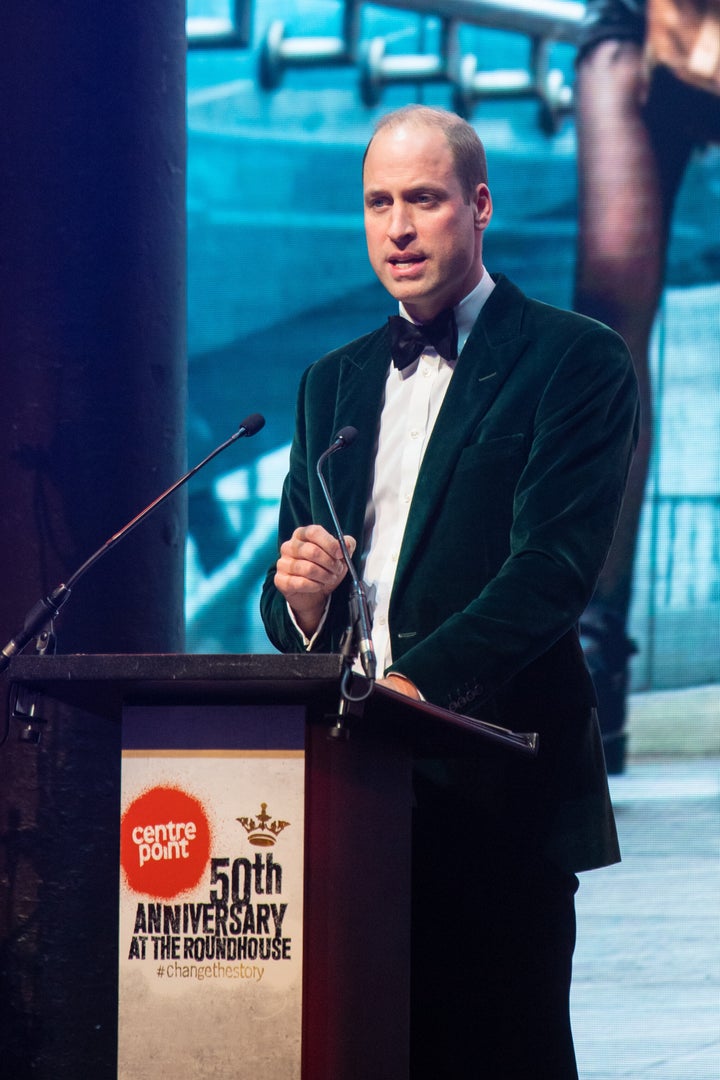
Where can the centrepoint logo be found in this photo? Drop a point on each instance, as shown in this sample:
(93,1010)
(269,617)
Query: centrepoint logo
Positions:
(164,842)
(168,841)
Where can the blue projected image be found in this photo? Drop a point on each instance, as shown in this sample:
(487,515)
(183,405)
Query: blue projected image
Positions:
(278,275)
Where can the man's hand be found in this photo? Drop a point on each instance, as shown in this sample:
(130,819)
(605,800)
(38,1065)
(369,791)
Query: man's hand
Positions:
(401,685)
(310,567)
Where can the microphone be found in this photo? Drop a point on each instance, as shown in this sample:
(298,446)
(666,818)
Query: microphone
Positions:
(50,606)
(358,600)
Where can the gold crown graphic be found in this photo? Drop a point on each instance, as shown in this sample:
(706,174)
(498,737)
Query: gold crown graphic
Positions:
(262,832)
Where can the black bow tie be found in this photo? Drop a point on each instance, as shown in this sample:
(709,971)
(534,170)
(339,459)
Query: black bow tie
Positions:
(407,339)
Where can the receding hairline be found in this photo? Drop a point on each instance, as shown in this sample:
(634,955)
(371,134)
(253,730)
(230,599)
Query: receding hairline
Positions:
(465,145)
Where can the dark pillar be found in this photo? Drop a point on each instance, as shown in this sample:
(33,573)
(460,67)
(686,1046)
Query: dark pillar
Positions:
(92,270)
(92,391)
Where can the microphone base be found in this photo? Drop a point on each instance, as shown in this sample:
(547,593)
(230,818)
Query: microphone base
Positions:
(338,729)
(338,721)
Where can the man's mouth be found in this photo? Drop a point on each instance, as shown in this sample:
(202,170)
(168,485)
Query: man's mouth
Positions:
(406,262)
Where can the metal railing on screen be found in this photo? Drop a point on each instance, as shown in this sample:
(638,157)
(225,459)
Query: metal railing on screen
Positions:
(542,22)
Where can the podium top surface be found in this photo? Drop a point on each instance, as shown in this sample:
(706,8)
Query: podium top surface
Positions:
(103,682)
(111,678)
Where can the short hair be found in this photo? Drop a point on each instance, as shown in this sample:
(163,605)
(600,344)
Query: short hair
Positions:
(465,145)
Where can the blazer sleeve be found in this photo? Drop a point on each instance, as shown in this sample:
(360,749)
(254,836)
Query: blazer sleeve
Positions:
(299,506)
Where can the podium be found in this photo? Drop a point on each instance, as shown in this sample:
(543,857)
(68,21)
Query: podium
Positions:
(75,719)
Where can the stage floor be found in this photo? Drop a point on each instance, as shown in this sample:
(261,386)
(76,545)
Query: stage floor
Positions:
(646,992)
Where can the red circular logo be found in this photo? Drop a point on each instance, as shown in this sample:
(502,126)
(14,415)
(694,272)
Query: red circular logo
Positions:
(164,842)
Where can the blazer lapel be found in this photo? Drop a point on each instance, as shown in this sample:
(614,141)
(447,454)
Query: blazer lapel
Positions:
(490,354)
(360,392)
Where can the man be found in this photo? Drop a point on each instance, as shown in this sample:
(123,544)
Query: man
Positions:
(482,493)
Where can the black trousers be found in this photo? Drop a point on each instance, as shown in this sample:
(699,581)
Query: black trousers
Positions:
(493,937)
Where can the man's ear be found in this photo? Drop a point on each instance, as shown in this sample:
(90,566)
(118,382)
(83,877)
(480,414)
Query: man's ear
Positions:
(482,207)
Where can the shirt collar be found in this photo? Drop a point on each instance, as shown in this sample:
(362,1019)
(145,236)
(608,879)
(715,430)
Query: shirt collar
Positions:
(467,311)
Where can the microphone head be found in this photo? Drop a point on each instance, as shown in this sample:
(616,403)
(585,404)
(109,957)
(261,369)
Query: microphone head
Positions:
(343,438)
(346,435)
(252,424)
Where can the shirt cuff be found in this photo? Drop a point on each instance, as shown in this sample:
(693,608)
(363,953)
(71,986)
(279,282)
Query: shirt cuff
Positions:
(308,642)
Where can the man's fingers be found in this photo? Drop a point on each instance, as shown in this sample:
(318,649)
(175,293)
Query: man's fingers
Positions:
(314,544)
(305,559)
(310,567)
(311,571)
(311,562)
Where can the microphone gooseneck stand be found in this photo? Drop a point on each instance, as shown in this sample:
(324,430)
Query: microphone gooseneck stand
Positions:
(38,622)
(357,639)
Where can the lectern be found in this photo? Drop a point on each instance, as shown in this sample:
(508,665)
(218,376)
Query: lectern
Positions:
(255,917)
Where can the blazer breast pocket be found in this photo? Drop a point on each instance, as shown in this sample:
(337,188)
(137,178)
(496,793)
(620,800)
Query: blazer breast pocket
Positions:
(505,448)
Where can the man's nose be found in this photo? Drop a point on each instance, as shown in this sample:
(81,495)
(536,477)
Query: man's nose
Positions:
(400,225)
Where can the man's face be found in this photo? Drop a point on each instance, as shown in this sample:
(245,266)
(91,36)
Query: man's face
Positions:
(424,240)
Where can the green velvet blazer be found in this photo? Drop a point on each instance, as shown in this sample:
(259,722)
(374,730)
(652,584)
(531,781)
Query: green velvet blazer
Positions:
(512,517)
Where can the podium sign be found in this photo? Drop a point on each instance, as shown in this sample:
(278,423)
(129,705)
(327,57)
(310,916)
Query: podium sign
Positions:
(211,892)
(247,877)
